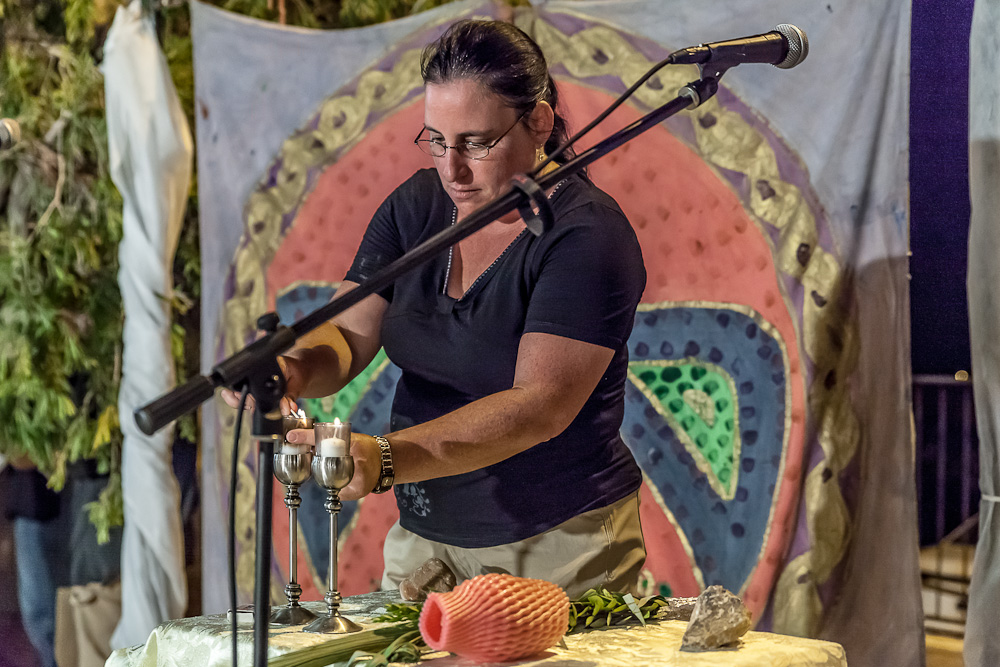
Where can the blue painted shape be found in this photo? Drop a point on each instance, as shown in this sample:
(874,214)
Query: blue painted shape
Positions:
(301,300)
(725,536)
(372,411)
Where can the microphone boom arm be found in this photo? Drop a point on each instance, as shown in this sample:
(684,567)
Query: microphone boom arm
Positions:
(233,372)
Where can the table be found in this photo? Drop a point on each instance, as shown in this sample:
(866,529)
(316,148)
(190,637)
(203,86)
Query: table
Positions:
(205,642)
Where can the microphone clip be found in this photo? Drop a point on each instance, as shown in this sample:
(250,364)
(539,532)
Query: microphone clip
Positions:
(538,218)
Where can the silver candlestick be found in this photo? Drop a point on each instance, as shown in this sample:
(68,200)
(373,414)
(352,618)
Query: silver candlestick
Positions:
(333,469)
(292,465)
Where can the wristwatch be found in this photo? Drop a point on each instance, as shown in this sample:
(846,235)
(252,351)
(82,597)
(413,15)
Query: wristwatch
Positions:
(386,476)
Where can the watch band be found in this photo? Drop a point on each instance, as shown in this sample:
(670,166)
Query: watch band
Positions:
(387,475)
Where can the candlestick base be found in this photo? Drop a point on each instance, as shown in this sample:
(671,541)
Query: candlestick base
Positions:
(292,615)
(330,625)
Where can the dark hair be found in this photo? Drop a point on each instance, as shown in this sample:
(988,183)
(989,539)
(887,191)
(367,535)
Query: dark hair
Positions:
(501,57)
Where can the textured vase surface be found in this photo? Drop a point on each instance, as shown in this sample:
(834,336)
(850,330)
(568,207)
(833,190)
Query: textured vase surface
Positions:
(496,617)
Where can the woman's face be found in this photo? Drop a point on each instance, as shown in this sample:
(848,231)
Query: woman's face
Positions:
(463,111)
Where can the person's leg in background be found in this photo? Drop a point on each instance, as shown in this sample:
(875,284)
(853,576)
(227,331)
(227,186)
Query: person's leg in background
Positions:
(35,542)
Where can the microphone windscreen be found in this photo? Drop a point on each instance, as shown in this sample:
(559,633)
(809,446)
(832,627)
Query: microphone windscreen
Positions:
(798,45)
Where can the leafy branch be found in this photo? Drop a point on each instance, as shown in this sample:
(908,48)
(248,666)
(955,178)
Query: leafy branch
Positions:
(598,608)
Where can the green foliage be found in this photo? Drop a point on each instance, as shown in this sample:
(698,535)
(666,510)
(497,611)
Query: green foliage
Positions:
(79,22)
(344,648)
(60,310)
(327,14)
(365,12)
(598,608)
(406,648)
(401,612)
(108,510)
(60,225)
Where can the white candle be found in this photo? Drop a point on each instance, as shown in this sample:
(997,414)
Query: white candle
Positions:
(291,422)
(333,446)
(332,438)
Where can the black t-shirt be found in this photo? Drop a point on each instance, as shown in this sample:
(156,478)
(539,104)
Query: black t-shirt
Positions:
(580,280)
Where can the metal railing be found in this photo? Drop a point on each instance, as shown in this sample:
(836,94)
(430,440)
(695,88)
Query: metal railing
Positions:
(947,473)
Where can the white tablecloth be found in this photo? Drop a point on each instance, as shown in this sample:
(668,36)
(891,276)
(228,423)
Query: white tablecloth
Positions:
(205,642)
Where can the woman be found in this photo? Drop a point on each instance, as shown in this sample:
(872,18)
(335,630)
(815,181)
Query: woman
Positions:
(504,448)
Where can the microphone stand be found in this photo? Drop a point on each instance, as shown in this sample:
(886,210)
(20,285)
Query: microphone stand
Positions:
(256,365)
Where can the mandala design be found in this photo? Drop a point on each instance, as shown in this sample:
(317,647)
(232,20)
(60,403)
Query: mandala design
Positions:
(744,328)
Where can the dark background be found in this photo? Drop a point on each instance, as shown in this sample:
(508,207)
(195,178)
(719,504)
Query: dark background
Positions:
(939,185)
(947,468)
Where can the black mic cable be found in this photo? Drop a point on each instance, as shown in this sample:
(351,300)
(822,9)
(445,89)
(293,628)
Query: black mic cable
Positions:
(231,536)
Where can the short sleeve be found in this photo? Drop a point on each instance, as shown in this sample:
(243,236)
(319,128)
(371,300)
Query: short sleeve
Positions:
(590,278)
(399,224)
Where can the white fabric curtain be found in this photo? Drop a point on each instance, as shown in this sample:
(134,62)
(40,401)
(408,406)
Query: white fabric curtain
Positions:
(151,155)
(982,642)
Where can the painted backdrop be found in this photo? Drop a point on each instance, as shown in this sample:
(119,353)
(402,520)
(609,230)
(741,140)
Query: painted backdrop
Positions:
(766,401)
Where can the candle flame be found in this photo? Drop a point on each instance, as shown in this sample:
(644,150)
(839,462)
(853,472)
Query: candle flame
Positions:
(336,421)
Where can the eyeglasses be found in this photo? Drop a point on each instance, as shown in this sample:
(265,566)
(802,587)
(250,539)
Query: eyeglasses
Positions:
(468,149)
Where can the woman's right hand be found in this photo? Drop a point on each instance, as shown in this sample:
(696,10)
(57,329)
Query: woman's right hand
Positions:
(321,362)
(291,369)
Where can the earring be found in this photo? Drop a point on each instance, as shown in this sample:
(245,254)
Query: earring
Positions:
(540,154)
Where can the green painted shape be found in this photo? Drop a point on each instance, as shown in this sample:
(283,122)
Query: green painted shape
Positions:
(649,585)
(699,400)
(341,405)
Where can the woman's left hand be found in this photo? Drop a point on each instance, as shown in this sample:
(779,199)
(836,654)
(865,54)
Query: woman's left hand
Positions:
(367,467)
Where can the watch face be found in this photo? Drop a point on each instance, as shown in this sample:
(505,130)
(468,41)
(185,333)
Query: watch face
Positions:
(384,484)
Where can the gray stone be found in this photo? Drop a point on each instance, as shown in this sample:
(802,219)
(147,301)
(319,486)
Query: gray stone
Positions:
(677,609)
(434,576)
(719,618)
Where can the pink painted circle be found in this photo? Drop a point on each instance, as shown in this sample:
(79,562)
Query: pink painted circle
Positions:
(698,242)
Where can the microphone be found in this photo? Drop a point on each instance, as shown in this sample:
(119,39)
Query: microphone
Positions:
(10,133)
(786,46)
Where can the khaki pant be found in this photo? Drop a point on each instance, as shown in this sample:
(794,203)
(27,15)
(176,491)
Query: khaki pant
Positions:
(602,547)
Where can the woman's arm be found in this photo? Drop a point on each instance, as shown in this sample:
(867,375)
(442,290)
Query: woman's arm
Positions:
(331,355)
(553,378)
